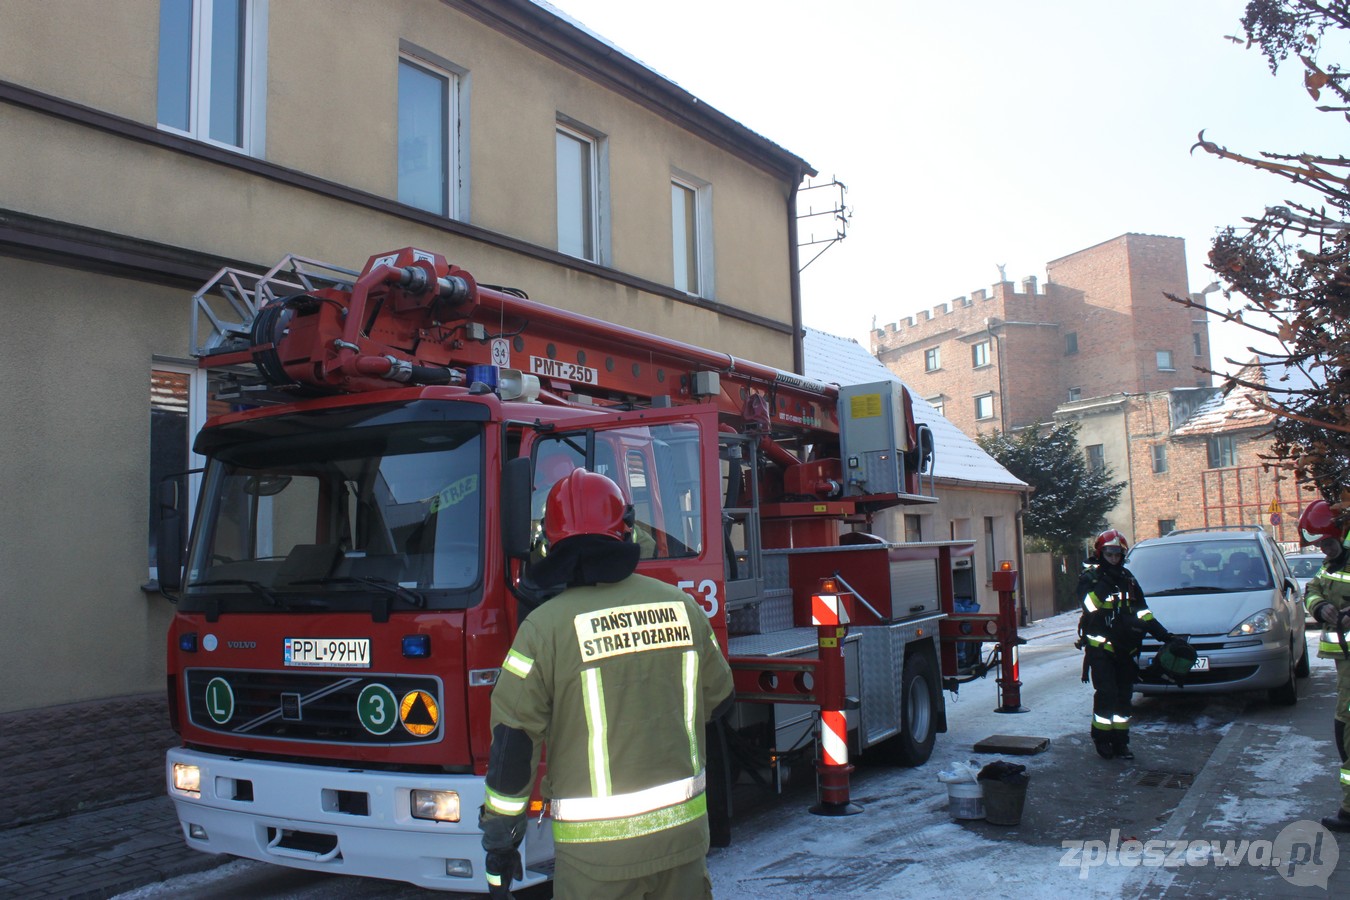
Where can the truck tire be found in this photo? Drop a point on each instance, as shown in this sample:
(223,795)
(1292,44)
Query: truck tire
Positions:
(919,712)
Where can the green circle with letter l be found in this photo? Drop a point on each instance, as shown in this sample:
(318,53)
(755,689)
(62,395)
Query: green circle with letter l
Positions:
(377,708)
(219,700)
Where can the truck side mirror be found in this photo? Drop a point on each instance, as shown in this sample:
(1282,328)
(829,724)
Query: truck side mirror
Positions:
(517,476)
(169,535)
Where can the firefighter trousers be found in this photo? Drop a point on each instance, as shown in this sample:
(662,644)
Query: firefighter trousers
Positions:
(1343,728)
(687,882)
(1113,688)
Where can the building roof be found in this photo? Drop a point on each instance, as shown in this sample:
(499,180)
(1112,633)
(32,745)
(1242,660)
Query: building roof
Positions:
(1236,409)
(830,358)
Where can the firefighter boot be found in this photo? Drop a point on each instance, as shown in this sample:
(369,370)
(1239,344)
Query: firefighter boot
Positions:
(1339,822)
(1120,741)
(1106,749)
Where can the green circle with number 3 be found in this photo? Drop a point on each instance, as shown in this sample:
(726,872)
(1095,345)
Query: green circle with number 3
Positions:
(377,708)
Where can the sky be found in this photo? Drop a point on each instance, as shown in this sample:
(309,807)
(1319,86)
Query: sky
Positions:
(984,133)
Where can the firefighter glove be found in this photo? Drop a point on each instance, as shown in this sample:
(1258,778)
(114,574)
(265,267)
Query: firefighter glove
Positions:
(502,867)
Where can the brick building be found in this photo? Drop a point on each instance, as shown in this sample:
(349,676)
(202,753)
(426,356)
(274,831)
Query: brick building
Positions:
(1191,458)
(1004,359)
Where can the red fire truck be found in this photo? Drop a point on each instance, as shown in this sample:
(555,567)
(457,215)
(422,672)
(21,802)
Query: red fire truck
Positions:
(362,546)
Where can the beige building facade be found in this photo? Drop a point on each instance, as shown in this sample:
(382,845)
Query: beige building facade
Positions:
(148,143)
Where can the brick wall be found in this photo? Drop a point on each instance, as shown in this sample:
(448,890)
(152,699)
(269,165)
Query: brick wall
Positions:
(1109,296)
(60,760)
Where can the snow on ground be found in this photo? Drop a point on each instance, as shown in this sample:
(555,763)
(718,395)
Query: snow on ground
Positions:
(905,843)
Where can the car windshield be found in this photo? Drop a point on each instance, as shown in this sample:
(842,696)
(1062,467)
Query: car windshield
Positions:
(1199,567)
(336,518)
(1305,566)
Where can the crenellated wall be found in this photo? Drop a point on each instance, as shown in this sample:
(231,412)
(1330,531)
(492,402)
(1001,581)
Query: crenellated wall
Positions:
(1101,324)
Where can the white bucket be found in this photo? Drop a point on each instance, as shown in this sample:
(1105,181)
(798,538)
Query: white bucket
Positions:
(965,800)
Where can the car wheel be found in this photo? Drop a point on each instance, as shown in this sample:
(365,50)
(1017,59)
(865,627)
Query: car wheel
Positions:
(1287,693)
(1304,667)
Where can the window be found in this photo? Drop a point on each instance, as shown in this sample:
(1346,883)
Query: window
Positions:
(691,230)
(579,193)
(1166,526)
(979,354)
(427,155)
(1165,361)
(1071,343)
(177,410)
(1222,451)
(932,359)
(1159,458)
(1198,344)
(984,406)
(1075,394)
(1096,457)
(212,70)
(938,404)
(913,528)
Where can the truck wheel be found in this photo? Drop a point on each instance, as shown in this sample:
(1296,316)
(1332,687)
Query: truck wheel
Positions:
(919,699)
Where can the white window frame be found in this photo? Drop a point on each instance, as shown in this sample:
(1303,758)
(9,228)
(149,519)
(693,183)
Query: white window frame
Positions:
(979,354)
(453,203)
(253,137)
(981,400)
(932,359)
(1165,361)
(196,418)
(1075,394)
(598,148)
(1159,459)
(703,237)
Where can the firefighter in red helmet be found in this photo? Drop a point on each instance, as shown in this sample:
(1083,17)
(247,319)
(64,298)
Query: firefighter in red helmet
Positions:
(1328,601)
(617,675)
(1115,616)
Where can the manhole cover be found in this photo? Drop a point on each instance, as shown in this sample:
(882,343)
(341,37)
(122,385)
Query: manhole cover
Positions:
(1178,780)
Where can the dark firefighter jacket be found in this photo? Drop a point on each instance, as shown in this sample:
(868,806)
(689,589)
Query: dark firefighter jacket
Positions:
(1115,614)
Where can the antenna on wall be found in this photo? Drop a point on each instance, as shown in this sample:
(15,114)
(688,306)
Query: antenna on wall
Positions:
(828,226)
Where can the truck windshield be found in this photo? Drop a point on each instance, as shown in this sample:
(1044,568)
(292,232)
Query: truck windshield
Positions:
(336,518)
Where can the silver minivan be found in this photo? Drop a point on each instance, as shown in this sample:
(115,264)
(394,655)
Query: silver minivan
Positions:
(1231,592)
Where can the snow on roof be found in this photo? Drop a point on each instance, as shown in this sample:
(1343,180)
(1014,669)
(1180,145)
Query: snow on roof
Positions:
(1237,410)
(830,358)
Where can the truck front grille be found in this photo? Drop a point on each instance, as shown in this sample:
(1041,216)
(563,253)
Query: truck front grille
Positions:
(374,709)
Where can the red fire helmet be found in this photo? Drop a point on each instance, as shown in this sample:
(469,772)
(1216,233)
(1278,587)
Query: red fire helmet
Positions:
(585,503)
(1111,538)
(1317,521)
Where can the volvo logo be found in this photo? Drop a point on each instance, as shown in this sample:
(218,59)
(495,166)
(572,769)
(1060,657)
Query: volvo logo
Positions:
(242,645)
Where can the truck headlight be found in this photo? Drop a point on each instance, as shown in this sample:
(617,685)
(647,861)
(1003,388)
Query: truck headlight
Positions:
(438,806)
(1259,623)
(187,779)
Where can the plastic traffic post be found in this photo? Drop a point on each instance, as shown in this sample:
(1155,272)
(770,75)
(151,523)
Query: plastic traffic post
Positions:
(1009,685)
(832,770)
